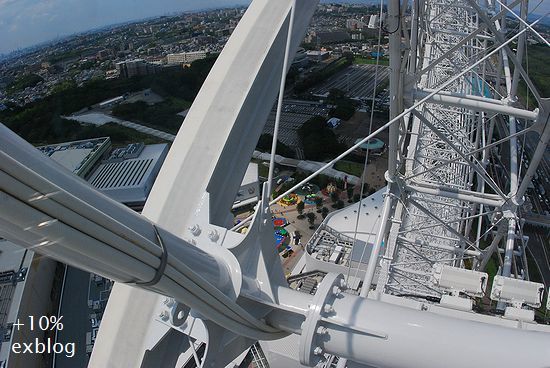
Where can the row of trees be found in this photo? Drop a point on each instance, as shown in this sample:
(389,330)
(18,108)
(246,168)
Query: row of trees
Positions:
(264,145)
(345,107)
(311,217)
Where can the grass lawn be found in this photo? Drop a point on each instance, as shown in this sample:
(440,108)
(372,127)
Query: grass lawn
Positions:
(352,168)
(263,167)
(362,60)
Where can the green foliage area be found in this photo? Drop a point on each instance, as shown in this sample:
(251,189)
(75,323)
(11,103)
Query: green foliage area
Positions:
(362,60)
(264,145)
(309,45)
(539,72)
(63,86)
(64,56)
(321,75)
(161,115)
(40,122)
(318,140)
(183,83)
(539,68)
(61,130)
(345,107)
(352,168)
(263,170)
(320,180)
(29,80)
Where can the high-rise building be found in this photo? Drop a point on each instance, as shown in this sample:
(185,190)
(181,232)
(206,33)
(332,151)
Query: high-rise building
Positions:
(185,57)
(136,67)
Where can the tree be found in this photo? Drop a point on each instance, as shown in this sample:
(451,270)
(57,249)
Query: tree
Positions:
(300,208)
(264,144)
(334,196)
(356,197)
(340,204)
(324,212)
(318,203)
(311,219)
(345,107)
(318,140)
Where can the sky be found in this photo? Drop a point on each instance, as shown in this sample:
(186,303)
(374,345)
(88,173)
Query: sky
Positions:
(24,23)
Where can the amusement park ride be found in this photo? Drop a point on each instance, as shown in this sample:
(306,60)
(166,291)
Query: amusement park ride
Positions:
(191,287)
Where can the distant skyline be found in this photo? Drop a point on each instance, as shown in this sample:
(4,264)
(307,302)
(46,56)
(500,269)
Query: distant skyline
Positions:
(25,23)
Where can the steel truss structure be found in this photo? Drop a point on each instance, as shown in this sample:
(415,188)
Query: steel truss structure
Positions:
(444,201)
(190,286)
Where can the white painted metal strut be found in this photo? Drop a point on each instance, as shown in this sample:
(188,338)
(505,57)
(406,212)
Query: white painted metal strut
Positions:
(445,147)
(233,283)
(336,315)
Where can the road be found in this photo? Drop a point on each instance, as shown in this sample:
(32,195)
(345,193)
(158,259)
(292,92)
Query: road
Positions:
(356,80)
(146,130)
(100,118)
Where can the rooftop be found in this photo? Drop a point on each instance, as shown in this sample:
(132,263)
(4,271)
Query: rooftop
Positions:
(77,156)
(128,174)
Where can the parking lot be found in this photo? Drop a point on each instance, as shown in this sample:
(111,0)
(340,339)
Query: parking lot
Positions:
(356,80)
(294,114)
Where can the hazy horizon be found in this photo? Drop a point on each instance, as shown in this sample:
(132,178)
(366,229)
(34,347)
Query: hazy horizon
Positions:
(27,23)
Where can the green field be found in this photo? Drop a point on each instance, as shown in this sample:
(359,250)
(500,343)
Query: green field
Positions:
(362,60)
(352,168)
(538,68)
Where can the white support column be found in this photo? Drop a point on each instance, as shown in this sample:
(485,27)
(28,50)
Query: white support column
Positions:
(509,252)
(394,26)
(380,236)
(280,99)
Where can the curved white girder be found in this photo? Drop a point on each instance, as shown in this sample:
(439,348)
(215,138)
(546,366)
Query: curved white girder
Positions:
(197,186)
(210,154)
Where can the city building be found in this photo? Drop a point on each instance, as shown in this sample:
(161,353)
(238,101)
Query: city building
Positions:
(185,57)
(26,289)
(136,67)
(315,55)
(332,36)
(128,174)
(78,156)
(355,24)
